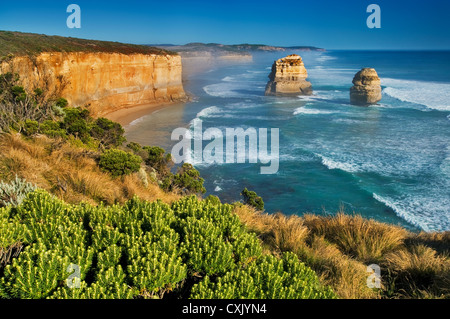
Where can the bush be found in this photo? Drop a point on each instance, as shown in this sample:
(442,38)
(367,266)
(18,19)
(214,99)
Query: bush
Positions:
(158,159)
(15,192)
(75,123)
(108,132)
(252,199)
(213,200)
(17,105)
(119,163)
(143,250)
(30,128)
(61,102)
(52,129)
(135,147)
(186,181)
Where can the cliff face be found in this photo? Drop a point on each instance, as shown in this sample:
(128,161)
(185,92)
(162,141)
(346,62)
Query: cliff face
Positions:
(106,81)
(288,77)
(366,89)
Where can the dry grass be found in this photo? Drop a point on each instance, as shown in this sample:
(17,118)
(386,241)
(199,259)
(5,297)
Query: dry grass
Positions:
(280,232)
(70,172)
(289,233)
(340,248)
(365,240)
(347,276)
(419,271)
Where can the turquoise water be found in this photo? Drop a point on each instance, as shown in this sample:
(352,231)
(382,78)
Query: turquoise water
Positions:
(389,162)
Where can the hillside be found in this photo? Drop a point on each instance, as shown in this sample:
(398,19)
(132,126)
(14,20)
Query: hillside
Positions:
(18,44)
(193,49)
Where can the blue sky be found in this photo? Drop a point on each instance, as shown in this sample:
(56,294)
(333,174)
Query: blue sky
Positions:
(331,24)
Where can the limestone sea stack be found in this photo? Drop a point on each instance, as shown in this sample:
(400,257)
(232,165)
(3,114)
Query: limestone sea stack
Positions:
(288,77)
(367,88)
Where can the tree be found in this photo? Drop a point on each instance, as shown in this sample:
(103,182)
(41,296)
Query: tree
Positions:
(252,199)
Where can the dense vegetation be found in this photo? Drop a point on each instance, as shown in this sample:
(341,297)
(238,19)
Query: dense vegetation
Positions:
(190,249)
(18,44)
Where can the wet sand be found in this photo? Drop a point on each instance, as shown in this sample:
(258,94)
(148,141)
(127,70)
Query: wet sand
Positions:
(128,115)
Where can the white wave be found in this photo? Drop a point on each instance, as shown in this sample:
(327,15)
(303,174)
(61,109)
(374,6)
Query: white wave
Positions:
(228,79)
(208,112)
(219,90)
(425,213)
(430,94)
(311,98)
(331,164)
(229,89)
(399,211)
(137,121)
(309,111)
(217,189)
(348,121)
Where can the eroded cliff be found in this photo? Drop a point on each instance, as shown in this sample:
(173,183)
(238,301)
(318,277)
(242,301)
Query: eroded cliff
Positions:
(366,89)
(105,80)
(288,77)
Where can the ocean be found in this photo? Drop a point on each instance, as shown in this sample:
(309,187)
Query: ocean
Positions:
(389,162)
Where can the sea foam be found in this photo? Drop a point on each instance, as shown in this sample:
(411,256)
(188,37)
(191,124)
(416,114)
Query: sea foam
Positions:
(310,111)
(430,94)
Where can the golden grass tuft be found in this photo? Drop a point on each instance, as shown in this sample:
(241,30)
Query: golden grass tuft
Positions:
(339,248)
(419,271)
(366,240)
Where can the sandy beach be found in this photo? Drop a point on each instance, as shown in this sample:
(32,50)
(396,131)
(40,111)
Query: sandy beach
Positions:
(127,115)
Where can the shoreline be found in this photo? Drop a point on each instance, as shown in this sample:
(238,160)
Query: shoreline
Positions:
(127,115)
(191,66)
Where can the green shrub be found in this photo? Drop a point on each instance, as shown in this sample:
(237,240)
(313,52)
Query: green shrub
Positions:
(52,129)
(142,250)
(62,103)
(19,93)
(252,199)
(187,180)
(213,200)
(76,123)
(107,132)
(267,278)
(30,128)
(158,159)
(35,274)
(135,147)
(119,163)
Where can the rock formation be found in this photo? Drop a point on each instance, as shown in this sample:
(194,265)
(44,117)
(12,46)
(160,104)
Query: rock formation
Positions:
(106,81)
(288,77)
(366,89)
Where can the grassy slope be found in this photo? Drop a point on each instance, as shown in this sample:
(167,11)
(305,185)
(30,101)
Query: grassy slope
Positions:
(17,43)
(70,172)
(340,248)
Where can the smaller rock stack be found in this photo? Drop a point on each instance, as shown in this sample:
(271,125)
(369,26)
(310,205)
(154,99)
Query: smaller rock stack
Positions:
(367,88)
(288,77)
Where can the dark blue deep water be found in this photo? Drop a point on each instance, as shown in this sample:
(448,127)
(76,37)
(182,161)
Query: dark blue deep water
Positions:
(389,162)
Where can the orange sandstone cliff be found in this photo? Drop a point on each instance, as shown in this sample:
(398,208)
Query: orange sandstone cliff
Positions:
(104,80)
